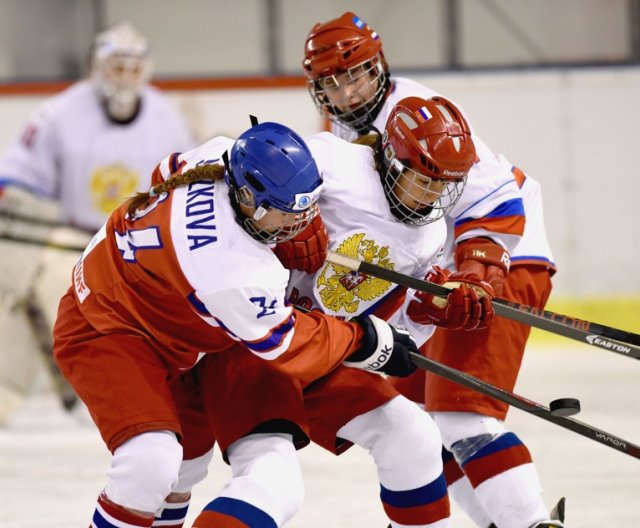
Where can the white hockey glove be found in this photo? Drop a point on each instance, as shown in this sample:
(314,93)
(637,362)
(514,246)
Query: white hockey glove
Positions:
(385,348)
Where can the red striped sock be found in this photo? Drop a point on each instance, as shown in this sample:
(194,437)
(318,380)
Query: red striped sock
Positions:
(109,514)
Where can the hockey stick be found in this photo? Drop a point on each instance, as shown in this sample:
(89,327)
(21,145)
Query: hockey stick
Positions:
(12,216)
(611,339)
(537,409)
(42,332)
(41,242)
(27,219)
(471,382)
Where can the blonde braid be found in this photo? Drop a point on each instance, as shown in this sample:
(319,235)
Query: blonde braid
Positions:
(209,171)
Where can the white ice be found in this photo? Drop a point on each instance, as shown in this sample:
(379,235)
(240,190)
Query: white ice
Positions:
(52,468)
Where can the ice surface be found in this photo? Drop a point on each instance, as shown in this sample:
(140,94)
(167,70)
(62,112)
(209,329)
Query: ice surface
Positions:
(52,468)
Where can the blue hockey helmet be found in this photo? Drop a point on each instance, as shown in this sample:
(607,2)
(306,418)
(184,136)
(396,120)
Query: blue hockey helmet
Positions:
(271,167)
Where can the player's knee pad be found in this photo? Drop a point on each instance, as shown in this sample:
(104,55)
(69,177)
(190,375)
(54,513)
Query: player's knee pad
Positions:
(457,426)
(193,471)
(144,471)
(391,431)
(266,474)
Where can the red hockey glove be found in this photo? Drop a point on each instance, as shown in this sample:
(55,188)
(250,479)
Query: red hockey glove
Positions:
(308,250)
(467,307)
(488,260)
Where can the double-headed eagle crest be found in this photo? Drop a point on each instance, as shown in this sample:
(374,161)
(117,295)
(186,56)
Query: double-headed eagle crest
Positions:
(341,289)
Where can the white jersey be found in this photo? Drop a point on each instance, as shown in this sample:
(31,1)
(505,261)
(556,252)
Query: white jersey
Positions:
(534,248)
(492,204)
(360,224)
(71,152)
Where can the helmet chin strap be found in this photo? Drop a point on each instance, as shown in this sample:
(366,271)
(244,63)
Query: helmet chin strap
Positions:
(260,212)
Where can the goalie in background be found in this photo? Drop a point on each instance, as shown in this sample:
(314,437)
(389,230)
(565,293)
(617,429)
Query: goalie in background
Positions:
(489,469)
(81,154)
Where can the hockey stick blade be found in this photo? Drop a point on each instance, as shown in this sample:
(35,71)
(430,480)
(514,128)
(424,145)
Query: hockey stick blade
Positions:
(624,343)
(471,382)
(41,242)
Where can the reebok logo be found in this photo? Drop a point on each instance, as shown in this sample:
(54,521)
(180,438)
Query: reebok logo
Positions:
(383,357)
(605,343)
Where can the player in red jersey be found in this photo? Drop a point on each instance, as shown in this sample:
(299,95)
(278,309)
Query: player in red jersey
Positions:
(188,268)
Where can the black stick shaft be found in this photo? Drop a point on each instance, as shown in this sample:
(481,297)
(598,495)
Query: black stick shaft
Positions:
(624,343)
(28,219)
(21,218)
(526,405)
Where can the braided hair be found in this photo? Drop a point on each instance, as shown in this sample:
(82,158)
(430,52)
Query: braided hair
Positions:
(208,171)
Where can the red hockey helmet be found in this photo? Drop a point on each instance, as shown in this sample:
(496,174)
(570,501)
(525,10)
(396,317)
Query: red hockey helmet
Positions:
(428,151)
(346,45)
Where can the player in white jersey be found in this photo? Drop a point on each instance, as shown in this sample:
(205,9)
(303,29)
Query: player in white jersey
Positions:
(82,153)
(187,270)
(350,83)
(347,405)
(382,202)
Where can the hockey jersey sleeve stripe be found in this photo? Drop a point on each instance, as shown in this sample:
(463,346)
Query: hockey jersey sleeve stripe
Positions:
(487,196)
(514,207)
(507,218)
(198,305)
(534,260)
(511,225)
(274,339)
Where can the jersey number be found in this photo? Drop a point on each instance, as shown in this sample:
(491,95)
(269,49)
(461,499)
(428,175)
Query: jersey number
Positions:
(133,240)
(267,309)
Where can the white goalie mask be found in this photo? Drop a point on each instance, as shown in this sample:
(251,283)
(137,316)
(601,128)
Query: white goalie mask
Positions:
(121,67)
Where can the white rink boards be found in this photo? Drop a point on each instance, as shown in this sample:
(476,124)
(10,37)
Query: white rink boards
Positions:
(52,468)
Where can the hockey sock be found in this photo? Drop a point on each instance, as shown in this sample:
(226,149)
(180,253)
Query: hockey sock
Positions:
(108,514)
(173,515)
(461,491)
(427,506)
(405,445)
(506,481)
(232,513)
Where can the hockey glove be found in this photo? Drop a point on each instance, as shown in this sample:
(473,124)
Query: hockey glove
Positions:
(307,251)
(485,258)
(467,307)
(385,348)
